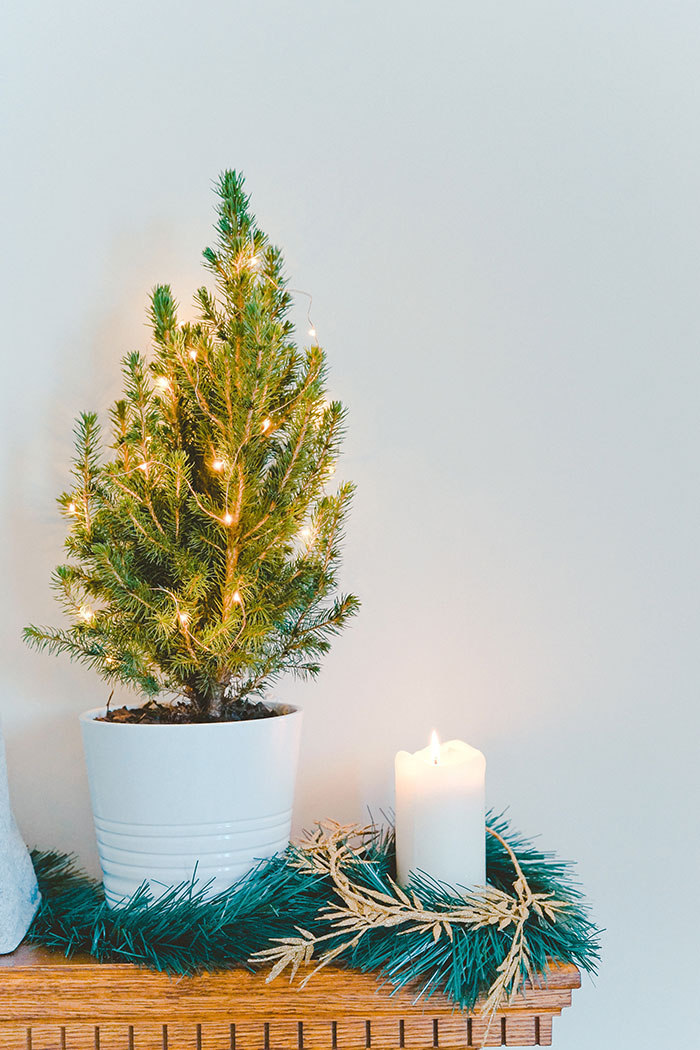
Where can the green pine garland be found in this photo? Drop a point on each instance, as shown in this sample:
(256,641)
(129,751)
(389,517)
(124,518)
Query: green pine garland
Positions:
(184,933)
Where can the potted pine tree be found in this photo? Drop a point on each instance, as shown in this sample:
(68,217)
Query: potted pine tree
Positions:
(203,551)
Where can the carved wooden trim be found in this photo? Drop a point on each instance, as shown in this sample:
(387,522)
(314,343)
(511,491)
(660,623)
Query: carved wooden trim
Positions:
(51,1003)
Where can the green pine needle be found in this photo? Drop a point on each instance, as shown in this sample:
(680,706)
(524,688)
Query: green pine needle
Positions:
(204,542)
(183,932)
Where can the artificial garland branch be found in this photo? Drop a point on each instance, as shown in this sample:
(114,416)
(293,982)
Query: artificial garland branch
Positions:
(333,850)
(334,897)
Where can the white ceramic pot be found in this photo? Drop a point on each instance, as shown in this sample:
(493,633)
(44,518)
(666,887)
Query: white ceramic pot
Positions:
(169,798)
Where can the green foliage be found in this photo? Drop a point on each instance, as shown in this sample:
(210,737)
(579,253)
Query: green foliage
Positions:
(183,932)
(466,966)
(204,552)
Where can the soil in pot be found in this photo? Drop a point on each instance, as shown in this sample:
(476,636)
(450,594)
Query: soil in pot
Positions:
(183,713)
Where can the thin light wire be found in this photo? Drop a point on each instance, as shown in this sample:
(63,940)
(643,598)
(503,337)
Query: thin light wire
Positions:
(312,326)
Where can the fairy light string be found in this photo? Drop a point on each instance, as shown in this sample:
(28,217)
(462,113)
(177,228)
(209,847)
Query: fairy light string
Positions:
(165,386)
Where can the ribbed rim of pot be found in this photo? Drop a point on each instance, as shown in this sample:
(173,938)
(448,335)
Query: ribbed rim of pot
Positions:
(96,712)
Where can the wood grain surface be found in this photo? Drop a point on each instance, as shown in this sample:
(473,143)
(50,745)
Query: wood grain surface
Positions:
(48,1002)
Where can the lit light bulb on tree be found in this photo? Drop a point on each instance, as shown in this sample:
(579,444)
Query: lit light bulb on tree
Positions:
(275,492)
(72,509)
(86,613)
(312,333)
(306,533)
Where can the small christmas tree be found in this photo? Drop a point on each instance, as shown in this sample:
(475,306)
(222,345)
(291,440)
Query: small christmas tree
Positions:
(204,552)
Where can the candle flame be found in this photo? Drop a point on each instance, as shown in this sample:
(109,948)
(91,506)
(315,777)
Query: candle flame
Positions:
(435,748)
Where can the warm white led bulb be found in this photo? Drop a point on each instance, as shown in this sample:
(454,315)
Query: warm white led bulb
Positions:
(193,355)
(237,598)
(86,613)
(143,466)
(217,464)
(183,617)
(312,333)
(163,382)
(227,518)
(266,424)
(72,508)
(305,533)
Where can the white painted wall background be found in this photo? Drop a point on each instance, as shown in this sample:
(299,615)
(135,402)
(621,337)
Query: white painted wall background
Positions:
(496,207)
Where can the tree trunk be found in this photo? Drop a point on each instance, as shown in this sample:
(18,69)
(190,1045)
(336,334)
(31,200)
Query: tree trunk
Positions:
(212,702)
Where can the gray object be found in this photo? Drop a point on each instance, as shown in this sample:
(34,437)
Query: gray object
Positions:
(19,893)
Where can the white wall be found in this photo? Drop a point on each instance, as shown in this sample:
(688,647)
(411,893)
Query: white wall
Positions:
(496,208)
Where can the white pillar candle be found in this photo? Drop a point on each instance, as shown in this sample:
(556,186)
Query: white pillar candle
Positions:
(440,813)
